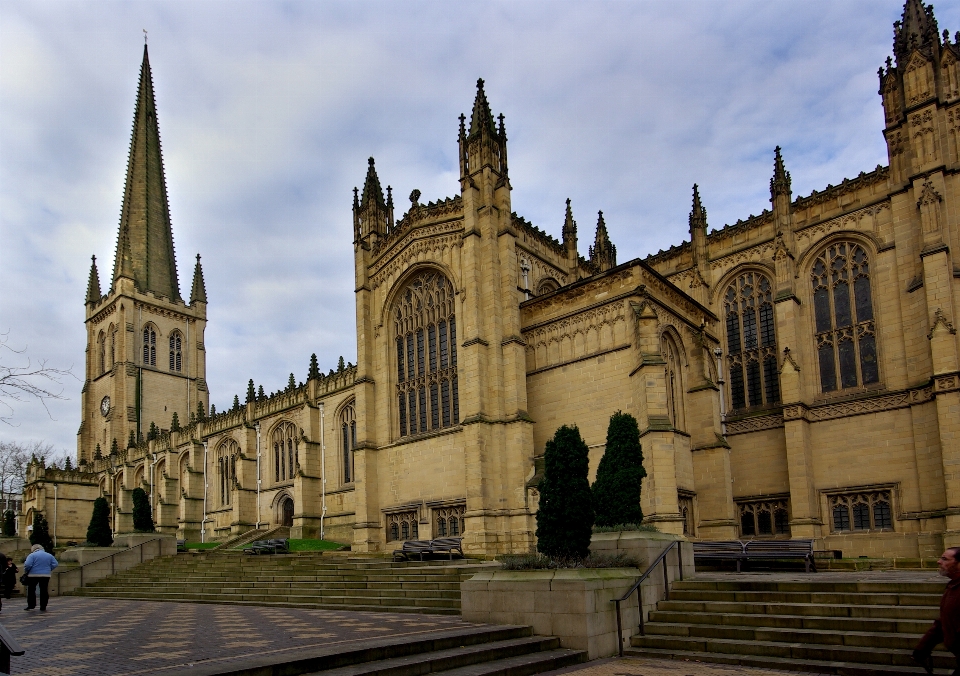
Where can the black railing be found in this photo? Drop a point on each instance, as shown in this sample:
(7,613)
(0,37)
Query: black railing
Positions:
(662,558)
(8,647)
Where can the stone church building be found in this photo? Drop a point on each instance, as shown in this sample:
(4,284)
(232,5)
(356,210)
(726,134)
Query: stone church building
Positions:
(795,375)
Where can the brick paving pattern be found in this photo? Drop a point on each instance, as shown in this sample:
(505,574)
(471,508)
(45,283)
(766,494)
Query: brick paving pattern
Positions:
(641,666)
(80,636)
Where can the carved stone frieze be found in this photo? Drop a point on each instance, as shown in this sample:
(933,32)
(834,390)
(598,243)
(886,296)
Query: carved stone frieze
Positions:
(850,221)
(103,314)
(413,250)
(940,319)
(949,382)
(756,424)
(574,337)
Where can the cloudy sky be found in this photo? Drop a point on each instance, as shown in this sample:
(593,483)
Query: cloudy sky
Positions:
(269,110)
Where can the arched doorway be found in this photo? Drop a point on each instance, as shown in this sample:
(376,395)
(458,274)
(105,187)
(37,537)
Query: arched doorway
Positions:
(286,512)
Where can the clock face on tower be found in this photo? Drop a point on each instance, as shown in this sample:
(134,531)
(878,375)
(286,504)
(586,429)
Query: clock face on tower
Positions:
(105,406)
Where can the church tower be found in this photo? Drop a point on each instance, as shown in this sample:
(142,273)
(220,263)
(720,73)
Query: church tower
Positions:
(145,357)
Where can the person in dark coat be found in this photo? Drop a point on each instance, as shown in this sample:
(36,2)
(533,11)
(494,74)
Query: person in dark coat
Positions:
(8,578)
(3,566)
(945,629)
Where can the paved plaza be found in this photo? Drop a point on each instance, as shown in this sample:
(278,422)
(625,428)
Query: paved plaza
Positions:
(634,666)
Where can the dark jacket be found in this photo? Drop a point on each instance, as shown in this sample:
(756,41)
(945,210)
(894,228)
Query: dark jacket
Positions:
(946,629)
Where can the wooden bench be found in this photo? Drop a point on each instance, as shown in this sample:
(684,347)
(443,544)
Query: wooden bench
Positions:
(726,550)
(279,546)
(781,549)
(420,547)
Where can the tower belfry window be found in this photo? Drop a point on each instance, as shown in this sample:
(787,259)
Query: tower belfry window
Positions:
(426,338)
(176,353)
(149,346)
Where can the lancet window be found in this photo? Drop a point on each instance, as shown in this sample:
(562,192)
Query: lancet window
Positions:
(403,526)
(113,346)
(227,468)
(149,346)
(448,521)
(285,449)
(348,439)
(101,353)
(176,353)
(843,310)
(674,380)
(751,341)
(426,344)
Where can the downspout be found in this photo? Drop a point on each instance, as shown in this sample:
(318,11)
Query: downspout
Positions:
(54,515)
(139,375)
(323,473)
(258,474)
(203,524)
(723,424)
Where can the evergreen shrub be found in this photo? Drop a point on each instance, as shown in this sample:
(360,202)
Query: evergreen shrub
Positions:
(142,518)
(98,532)
(41,532)
(9,524)
(565,516)
(616,492)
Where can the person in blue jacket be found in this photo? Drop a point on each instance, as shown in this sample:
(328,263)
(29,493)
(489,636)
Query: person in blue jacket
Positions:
(38,567)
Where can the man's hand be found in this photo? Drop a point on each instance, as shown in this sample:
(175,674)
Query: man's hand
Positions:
(924,659)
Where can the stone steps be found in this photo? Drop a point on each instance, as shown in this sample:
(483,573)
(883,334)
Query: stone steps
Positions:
(832,626)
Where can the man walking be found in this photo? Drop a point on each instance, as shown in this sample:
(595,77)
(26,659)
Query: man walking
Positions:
(946,629)
(38,567)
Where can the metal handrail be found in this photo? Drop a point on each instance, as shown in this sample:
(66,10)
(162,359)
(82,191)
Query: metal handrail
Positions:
(8,647)
(636,585)
(61,573)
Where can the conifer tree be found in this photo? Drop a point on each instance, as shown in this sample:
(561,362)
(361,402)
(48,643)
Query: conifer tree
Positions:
(314,371)
(175,423)
(142,517)
(114,447)
(68,463)
(292,383)
(565,516)
(97,453)
(236,403)
(340,365)
(616,492)
(98,532)
(251,392)
(9,525)
(41,533)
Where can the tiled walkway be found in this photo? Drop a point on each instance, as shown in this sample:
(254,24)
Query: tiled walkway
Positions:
(630,666)
(98,637)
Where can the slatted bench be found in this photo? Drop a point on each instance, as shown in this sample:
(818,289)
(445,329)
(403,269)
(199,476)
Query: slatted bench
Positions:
(278,546)
(781,549)
(420,547)
(728,550)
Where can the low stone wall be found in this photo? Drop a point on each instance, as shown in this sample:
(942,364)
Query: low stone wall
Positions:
(63,581)
(572,604)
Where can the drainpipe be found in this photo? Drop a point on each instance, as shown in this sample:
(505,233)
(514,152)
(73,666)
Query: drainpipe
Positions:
(723,424)
(258,474)
(203,524)
(54,515)
(323,473)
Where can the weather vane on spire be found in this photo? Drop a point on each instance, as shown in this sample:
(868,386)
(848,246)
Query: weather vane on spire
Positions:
(144,36)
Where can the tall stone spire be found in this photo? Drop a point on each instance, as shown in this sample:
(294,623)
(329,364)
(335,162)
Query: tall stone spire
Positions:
(371,215)
(199,292)
(603,253)
(570,243)
(780,182)
(145,242)
(372,192)
(916,30)
(698,215)
(93,285)
(482,118)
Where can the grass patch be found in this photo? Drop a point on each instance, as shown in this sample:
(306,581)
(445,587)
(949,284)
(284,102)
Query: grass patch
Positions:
(541,562)
(201,545)
(643,527)
(313,545)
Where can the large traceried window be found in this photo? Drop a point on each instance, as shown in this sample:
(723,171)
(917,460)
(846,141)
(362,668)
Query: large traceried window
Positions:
(149,346)
(176,352)
(843,309)
(227,468)
(348,439)
(751,341)
(285,450)
(426,343)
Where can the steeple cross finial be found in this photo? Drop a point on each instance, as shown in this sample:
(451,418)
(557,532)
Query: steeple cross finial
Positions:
(144,36)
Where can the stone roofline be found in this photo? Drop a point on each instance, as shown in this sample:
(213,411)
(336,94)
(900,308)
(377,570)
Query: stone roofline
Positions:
(172,304)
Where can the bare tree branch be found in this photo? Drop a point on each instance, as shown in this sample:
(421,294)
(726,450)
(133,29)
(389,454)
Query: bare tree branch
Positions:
(27,381)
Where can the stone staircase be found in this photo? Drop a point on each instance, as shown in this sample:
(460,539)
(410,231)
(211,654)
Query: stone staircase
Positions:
(242,540)
(305,580)
(839,623)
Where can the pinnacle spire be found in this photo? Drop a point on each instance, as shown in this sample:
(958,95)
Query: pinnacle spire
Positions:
(145,251)
(569,225)
(780,183)
(93,285)
(371,188)
(603,253)
(199,291)
(481,118)
(698,215)
(917,29)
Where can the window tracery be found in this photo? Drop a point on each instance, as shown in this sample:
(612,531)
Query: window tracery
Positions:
(764,518)
(149,346)
(348,440)
(227,468)
(862,511)
(751,341)
(674,380)
(285,451)
(426,342)
(101,353)
(402,526)
(448,521)
(176,353)
(843,312)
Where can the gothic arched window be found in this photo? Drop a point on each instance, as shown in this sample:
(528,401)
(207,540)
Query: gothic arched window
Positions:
(227,468)
(426,339)
(113,346)
(176,353)
(284,451)
(751,341)
(843,309)
(101,353)
(348,440)
(674,380)
(149,346)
